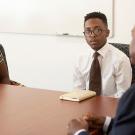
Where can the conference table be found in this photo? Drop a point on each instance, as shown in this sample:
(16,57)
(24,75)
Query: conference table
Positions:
(30,111)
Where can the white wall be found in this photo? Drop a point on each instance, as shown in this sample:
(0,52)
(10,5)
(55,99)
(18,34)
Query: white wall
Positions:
(47,61)
(124,20)
(41,16)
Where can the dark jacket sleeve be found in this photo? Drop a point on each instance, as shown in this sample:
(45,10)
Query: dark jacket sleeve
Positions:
(84,133)
(124,122)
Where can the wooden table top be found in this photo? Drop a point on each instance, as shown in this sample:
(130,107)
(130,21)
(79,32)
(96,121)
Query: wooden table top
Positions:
(29,111)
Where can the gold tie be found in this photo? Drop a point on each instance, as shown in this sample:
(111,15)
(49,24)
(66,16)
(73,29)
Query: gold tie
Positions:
(95,82)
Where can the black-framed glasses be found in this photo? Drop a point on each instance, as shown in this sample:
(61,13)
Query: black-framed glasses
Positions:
(96,32)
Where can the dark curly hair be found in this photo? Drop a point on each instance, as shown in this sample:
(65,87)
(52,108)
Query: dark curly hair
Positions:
(98,15)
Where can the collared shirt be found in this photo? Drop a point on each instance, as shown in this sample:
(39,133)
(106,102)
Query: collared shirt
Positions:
(107,123)
(80,131)
(116,71)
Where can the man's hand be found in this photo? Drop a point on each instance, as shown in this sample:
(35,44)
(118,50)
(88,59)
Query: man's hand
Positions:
(94,122)
(91,123)
(76,124)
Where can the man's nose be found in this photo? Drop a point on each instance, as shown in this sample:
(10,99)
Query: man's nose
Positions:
(92,34)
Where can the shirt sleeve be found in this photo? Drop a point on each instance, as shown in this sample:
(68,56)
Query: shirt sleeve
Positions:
(80,131)
(106,124)
(123,77)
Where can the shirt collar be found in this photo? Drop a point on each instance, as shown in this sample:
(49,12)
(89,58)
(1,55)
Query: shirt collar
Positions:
(102,51)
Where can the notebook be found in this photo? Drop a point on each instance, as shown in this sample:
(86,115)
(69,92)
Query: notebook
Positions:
(78,95)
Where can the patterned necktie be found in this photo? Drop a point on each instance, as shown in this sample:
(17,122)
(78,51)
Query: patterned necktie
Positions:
(95,83)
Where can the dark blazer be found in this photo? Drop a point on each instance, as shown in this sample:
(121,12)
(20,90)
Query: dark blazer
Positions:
(124,122)
(83,133)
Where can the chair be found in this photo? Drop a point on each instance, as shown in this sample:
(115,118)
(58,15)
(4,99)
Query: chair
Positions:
(4,55)
(125,48)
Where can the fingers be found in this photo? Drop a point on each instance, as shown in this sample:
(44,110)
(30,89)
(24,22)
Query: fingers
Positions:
(77,124)
(90,117)
(94,122)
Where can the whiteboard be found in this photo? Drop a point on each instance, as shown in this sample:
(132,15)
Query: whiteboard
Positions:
(50,16)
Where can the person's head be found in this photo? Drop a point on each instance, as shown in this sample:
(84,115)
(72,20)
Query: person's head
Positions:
(132,47)
(96,30)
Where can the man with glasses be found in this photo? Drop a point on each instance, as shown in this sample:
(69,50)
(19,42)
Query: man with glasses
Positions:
(124,121)
(115,73)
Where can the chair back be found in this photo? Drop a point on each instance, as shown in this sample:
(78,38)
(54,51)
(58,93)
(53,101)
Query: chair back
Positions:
(125,48)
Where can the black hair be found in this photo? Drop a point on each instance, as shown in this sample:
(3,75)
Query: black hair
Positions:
(98,15)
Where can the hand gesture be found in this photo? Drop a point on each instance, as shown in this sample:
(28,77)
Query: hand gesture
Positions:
(76,124)
(95,124)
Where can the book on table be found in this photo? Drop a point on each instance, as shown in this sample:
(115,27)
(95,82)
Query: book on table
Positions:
(78,95)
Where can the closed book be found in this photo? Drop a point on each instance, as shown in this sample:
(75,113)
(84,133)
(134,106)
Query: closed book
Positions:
(78,95)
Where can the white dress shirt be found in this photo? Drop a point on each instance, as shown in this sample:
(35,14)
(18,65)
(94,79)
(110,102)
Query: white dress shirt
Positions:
(79,131)
(116,71)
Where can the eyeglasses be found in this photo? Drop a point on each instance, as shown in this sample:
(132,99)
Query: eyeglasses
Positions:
(96,32)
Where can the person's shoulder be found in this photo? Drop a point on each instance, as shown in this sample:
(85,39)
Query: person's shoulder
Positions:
(84,56)
(81,60)
(118,54)
(132,88)
(129,94)
(117,51)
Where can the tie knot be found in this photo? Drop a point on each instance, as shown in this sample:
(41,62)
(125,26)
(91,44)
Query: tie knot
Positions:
(96,54)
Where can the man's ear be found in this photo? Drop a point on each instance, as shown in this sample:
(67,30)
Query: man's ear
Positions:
(107,32)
